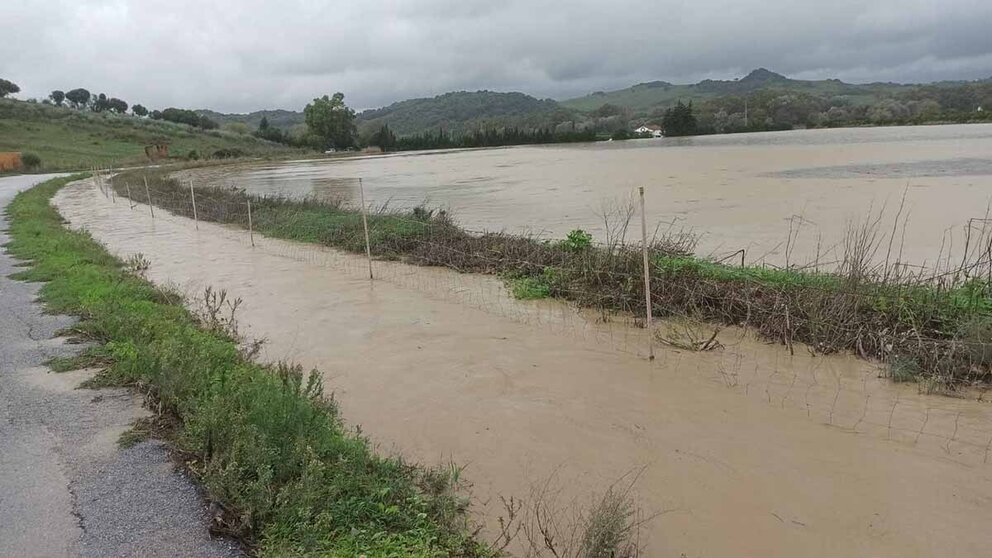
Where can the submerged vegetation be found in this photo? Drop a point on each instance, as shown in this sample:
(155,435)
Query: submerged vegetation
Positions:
(937,327)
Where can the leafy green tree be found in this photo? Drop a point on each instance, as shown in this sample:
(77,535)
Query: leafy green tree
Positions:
(78,97)
(184,116)
(8,88)
(139,110)
(57,97)
(384,138)
(117,105)
(679,120)
(100,103)
(268,132)
(331,122)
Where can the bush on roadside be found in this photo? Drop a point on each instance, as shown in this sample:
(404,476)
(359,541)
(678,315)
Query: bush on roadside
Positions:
(31,161)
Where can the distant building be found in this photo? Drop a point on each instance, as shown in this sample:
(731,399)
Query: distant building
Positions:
(652,129)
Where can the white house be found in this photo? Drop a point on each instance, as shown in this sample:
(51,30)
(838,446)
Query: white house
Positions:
(652,129)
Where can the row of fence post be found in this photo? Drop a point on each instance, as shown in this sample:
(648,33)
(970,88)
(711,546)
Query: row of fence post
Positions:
(645,247)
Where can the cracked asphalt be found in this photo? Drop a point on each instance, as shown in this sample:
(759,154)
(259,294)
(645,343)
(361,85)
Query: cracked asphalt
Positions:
(66,488)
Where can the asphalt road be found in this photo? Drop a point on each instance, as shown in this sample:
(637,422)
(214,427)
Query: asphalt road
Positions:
(66,488)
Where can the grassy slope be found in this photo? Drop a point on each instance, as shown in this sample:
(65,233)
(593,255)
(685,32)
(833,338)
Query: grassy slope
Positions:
(67,139)
(263,440)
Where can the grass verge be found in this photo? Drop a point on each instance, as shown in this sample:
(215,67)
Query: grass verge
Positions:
(263,440)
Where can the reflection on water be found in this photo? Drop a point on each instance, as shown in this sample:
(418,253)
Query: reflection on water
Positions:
(910,170)
(737,191)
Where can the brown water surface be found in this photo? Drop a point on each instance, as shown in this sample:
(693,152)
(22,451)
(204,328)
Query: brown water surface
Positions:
(741,191)
(746,451)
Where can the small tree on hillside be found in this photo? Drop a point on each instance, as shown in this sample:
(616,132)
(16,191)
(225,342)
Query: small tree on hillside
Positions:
(139,110)
(8,88)
(679,120)
(268,132)
(331,122)
(78,97)
(100,103)
(117,105)
(57,97)
(385,139)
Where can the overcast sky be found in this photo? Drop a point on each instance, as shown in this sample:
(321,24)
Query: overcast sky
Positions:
(243,55)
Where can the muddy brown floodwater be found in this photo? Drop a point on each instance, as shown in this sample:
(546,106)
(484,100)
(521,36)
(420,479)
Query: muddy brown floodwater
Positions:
(746,451)
(738,191)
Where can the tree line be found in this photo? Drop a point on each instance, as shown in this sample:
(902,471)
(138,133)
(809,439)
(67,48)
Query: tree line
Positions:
(773,109)
(82,99)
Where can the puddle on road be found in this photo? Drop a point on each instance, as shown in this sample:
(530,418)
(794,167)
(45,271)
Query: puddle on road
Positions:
(778,455)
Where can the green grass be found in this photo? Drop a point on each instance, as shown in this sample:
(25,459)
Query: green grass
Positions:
(529,288)
(263,440)
(68,139)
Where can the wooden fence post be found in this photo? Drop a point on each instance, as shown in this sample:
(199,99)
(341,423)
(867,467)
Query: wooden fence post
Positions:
(148,194)
(365,224)
(251,233)
(192,195)
(647,277)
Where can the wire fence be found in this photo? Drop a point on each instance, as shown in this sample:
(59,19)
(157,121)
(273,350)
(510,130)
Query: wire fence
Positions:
(598,296)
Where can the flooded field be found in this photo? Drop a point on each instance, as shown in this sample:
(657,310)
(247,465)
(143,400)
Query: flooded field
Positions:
(742,451)
(747,191)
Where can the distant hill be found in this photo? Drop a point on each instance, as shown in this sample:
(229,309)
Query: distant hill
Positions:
(774,102)
(279,118)
(765,100)
(645,96)
(456,112)
(464,110)
(659,93)
(69,139)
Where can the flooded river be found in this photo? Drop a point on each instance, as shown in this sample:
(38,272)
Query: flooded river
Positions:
(743,191)
(743,451)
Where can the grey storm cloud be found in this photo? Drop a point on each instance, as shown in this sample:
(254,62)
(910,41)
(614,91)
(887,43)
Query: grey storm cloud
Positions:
(250,54)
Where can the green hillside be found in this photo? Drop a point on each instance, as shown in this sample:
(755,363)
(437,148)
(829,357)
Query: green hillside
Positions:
(765,100)
(465,111)
(283,119)
(644,96)
(68,139)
